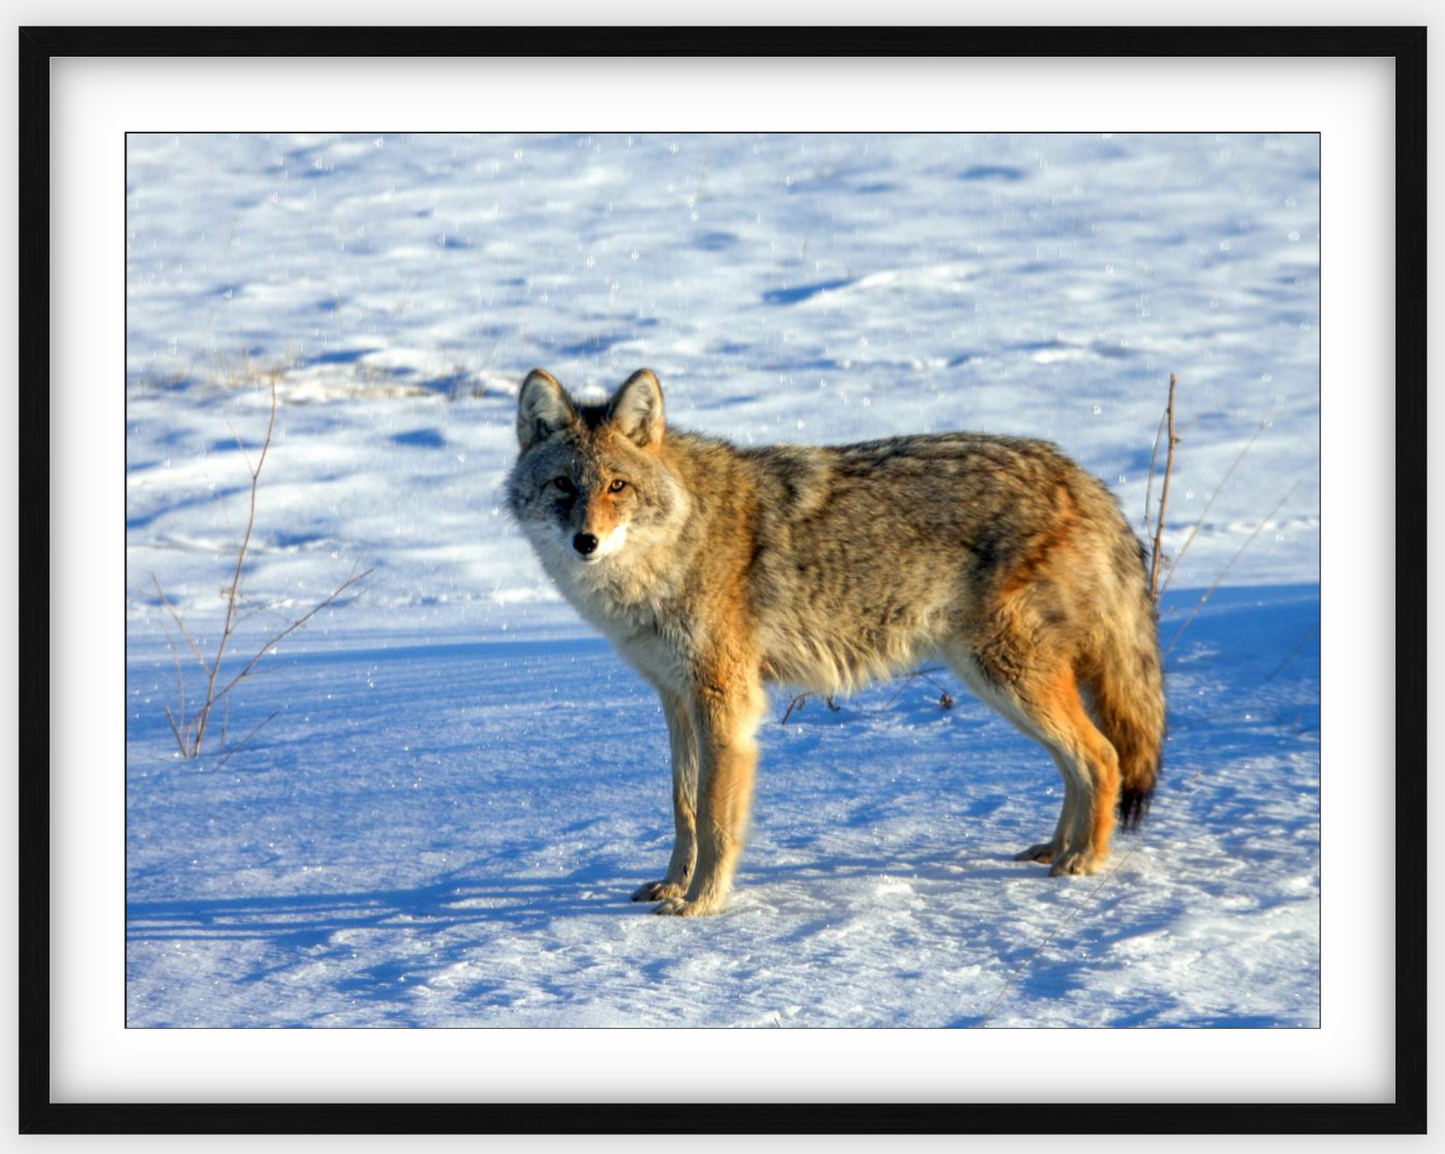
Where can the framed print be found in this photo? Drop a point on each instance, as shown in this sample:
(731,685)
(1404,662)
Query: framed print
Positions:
(411,358)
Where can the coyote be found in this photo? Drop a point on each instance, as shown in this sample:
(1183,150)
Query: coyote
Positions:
(716,569)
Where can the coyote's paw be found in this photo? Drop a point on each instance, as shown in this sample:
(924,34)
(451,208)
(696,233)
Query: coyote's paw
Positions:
(1045,853)
(1076,862)
(657,891)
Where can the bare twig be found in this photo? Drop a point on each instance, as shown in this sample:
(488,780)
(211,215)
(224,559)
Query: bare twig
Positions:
(1163,495)
(1153,457)
(1293,653)
(180,741)
(1203,513)
(268,607)
(1208,593)
(190,728)
(796,703)
(1232,711)
(922,672)
(245,740)
(180,670)
(180,684)
(181,625)
(801,700)
(290,629)
(204,715)
(240,444)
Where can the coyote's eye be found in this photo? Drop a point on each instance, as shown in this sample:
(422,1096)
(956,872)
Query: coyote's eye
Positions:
(617,486)
(565,486)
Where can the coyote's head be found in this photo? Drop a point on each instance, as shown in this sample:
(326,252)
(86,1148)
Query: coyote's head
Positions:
(590,487)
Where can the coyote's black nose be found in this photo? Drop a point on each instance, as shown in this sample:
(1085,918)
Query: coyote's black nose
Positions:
(584,543)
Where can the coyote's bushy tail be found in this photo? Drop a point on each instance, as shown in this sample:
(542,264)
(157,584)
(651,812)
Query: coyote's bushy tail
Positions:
(1126,679)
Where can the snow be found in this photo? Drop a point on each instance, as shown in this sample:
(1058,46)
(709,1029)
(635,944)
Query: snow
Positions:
(462,784)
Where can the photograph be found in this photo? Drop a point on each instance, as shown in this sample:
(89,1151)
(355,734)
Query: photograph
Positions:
(691,580)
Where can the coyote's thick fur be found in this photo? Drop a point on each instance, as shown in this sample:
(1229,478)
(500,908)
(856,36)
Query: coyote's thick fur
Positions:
(716,569)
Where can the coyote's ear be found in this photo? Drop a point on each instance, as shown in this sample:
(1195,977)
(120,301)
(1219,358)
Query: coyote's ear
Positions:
(636,409)
(543,407)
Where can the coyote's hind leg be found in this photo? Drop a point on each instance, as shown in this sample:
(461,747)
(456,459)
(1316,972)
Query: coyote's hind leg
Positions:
(1088,764)
(1046,852)
(1046,705)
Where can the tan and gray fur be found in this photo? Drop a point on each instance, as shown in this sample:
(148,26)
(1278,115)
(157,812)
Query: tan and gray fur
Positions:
(716,570)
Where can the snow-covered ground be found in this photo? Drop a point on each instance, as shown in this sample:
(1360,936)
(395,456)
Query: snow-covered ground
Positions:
(462,784)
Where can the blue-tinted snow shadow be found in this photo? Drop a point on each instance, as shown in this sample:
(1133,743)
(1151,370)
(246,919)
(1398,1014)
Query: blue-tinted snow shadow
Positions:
(145,520)
(1004,173)
(797,293)
(339,357)
(1259,628)
(306,920)
(426,438)
(151,725)
(452,914)
(1260,624)
(321,929)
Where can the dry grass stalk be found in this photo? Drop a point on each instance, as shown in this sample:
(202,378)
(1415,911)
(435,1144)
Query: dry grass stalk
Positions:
(1208,593)
(190,728)
(1153,458)
(800,700)
(1209,504)
(1163,495)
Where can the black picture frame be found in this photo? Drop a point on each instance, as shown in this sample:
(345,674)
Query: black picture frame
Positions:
(38,1114)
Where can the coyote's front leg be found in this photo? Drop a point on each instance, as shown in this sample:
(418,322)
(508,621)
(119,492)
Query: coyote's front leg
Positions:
(725,712)
(684,803)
